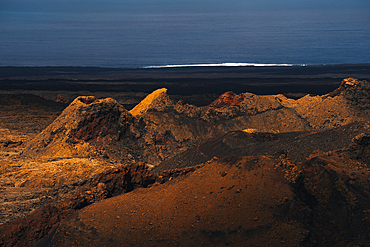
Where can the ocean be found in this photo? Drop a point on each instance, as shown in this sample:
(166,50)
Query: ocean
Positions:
(144,33)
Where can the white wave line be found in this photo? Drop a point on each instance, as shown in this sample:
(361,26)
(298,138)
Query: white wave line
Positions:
(224,65)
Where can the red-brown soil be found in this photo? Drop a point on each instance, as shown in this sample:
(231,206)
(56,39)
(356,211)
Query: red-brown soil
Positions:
(26,231)
(236,201)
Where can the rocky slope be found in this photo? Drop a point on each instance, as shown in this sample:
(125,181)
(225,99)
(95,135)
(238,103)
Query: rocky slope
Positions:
(171,135)
(87,127)
(314,150)
(297,146)
(111,182)
(276,113)
(160,128)
(234,201)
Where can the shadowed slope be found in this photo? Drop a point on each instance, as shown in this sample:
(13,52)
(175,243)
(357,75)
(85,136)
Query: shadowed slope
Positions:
(297,146)
(239,201)
(112,182)
(229,202)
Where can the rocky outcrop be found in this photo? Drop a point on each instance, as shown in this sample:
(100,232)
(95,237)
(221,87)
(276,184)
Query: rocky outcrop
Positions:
(157,100)
(335,186)
(88,127)
(230,105)
(346,85)
(8,140)
(277,114)
(312,184)
(102,128)
(161,129)
(322,201)
(109,183)
(349,103)
(297,146)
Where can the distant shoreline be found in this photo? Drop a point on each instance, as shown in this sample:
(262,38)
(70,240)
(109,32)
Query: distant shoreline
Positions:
(226,64)
(299,69)
(313,79)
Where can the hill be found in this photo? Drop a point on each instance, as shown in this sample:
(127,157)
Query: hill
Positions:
(246,168)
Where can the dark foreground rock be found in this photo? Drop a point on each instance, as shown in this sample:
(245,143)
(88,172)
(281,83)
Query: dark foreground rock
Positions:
(239,201)
(297,146)
(234,201)
(26,231)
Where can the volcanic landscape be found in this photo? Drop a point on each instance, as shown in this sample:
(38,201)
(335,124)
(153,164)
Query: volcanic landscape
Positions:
(240,156)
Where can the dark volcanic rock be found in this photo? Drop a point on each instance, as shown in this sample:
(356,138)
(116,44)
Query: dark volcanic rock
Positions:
(297,146)
(102,128)
(226,100)
(261,141)
(276,113)
(337,191)
(25,231)
(322,201)
(88,127)
(27,114)
(161,129)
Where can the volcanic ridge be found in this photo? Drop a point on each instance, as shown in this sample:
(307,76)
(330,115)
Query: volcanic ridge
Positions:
(245,170)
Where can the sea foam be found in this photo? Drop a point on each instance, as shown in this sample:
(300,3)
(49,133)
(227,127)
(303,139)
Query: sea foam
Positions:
(224,65)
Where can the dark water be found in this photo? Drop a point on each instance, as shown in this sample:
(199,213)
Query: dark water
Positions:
(119,33)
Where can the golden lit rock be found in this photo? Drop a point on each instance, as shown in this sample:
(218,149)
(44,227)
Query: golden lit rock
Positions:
(157,99)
